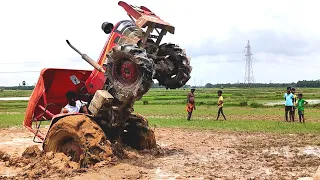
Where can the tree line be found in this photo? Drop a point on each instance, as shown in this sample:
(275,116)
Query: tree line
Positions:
(16,87)
(303,83)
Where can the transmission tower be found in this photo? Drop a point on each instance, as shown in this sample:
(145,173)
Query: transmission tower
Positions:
(248,77)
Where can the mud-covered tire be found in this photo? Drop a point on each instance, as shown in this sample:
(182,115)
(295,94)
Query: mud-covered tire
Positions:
(80,138)
(174,70)
(137,133)
(130,72)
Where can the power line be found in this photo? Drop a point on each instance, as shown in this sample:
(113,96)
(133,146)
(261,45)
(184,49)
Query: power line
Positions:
(226,61)
(295,64)
(274,62)
(40,62)
(227,53)
(3,72)
(278,57)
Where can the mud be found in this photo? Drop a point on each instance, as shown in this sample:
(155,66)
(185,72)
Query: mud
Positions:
(181,154)
(94,144)
(35,164)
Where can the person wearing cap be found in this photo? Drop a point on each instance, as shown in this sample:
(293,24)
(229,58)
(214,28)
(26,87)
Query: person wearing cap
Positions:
(288,97)
(191,105)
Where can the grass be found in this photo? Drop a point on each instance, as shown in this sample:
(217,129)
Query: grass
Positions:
(15,93)
(13,106)
(166,108)
(234,96)
(203,112)
(238,125)
(12,113)
(9,120)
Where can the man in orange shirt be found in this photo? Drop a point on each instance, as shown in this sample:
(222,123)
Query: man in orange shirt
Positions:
(190,103)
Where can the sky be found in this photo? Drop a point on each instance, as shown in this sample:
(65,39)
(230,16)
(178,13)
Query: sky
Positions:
(284,37)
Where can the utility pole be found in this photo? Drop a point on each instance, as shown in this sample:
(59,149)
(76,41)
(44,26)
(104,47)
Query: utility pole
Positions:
(248,77)
(194,82)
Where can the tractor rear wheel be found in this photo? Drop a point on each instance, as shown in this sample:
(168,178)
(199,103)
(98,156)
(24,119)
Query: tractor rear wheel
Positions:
(80,138)
(129,72)
(137,133)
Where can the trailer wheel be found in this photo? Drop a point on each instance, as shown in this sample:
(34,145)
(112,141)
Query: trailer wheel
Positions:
(80,138)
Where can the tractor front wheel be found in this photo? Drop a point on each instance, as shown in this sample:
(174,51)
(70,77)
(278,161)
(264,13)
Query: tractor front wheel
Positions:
(137,133)
(174,70)
(80,138)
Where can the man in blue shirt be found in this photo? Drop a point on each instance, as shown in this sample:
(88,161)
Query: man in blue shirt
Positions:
(288,97)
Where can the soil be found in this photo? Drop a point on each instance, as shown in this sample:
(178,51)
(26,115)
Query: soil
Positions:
(181,154)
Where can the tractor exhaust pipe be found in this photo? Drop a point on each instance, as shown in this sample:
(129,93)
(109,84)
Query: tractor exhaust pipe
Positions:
(88,59)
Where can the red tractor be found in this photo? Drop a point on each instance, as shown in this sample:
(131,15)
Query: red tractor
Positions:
(130,60)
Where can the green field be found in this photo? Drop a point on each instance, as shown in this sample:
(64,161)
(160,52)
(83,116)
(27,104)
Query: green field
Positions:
(166,108)
(15,93)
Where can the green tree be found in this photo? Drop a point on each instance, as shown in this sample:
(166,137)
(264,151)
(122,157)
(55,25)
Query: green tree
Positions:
(209,85)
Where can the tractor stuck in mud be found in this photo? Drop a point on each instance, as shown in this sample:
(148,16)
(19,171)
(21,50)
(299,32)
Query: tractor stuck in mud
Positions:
(132,57)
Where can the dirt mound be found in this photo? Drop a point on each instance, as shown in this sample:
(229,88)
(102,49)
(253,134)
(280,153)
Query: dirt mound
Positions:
(32,151)
(35,163)
(4,156)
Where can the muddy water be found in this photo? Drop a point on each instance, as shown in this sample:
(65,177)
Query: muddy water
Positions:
(274,103)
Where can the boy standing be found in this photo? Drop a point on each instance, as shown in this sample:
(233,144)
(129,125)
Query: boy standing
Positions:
(301,102)
(190,103)
(293,91)
(220,105)
(288,97)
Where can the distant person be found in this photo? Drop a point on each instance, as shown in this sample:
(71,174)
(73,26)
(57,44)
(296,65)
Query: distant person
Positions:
(74,106)
(288,97)
(301,102)
(191,105)
(293,91)
(220,105)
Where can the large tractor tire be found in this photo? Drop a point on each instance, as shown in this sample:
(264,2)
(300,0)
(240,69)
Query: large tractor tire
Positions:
(137,133)
(172,71)
(80,138)
(129,72)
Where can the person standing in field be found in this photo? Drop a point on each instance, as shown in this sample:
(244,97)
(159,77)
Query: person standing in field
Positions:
(220,105)
(191,105)
(293,91)
(301,102)
(288,97)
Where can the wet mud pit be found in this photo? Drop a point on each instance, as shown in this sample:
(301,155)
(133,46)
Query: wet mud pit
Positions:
(182,154)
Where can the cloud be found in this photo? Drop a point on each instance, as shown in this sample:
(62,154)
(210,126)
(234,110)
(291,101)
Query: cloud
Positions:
(214,34)
(262,41)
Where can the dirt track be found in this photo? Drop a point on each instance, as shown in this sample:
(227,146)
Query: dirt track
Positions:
(194,154)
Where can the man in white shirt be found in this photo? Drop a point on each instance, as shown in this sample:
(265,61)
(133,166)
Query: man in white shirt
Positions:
(74,106)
